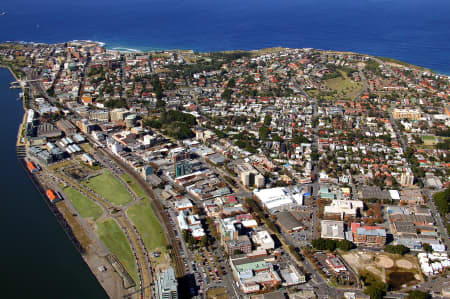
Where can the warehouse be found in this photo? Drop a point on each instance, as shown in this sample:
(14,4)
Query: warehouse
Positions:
(280,198)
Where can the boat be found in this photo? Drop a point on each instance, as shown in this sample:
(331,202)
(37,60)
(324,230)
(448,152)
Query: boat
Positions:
(3,13)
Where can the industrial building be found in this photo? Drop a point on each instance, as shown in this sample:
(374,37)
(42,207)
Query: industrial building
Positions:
(48,130)
(67,127)
(288,223)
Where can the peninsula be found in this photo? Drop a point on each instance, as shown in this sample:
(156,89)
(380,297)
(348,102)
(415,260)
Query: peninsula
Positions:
(274,173)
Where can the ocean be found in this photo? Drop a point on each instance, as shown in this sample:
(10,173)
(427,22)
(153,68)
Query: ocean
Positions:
(415,31)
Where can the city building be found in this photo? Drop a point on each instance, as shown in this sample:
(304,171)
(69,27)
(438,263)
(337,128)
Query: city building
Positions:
(291,276)
(412,114)
(368,235)
(343,209)
(335,263)
(241,244)
(182,168)
(332,229)
(263,240)
(254,274)
(118,114)
(166,285)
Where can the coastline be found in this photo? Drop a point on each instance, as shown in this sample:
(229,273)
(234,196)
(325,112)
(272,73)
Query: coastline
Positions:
(93,254)
(127,48)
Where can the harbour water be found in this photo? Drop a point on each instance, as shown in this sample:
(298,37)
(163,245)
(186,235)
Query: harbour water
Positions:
(38,259)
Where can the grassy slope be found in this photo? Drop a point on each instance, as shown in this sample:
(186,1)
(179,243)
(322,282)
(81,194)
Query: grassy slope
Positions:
(84,205)
(114,238)
(148,225)
(133,185)
(110,188)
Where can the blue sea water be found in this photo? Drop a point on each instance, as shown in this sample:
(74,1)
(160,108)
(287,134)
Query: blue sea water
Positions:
(416,31)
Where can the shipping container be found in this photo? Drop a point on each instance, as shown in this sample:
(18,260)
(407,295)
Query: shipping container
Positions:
(32,167)
(52,195)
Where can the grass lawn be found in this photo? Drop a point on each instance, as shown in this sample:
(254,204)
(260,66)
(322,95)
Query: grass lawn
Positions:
(87,148)
(108,186)
(313,93)
(148,225)
(218,293)
(134,185)
(344,87)
(114,238)
(84,205)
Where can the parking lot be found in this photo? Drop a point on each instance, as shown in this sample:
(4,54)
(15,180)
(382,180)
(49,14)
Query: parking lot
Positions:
(336,274)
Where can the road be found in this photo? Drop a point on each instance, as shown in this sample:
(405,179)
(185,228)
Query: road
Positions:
(135,240)
(442,228)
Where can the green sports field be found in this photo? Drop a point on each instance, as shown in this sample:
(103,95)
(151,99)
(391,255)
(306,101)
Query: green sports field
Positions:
(108,186)
(84,205)
(134,185)
(148,225)
(114,238)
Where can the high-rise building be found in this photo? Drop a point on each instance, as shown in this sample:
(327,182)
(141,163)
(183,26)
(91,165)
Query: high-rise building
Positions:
(118,114)
(182,168)
(166,285)
(407,178)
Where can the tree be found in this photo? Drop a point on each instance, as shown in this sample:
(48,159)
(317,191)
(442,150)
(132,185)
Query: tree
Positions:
(231,83)
(374,287)
(324,244)
(226,95)
(160,103)
(442,201)
(157,88)
(263,132)
(375,291)
(396,249)
(345,245)
(205,241)
(267,120)
(427,247)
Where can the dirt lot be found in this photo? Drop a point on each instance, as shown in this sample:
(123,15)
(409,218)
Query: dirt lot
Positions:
(382,264)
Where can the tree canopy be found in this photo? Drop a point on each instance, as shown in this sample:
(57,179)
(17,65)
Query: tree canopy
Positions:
(396,249)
